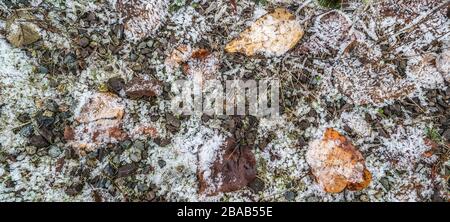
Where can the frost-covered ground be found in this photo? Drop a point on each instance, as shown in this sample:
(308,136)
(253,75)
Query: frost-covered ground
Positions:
(377,72)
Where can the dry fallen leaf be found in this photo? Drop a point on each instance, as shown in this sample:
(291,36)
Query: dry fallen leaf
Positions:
(19,31)
(337,164)
(273,35)
(233,168)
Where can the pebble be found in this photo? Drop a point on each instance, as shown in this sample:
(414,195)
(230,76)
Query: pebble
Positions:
(54,152)
(116,84)
(385,183)
(313,199)
(161,163)
(126,170)
(142,187)
(31,150)
(446,134)
(302,142)
(75,189)
(289,195)
(135,155)
(109,171)
(38,141)
(162,142)
(146,51)
(304,124)
(138,144)
(42,69)
(142,45)
(173,124)
(150,195)
(364,198)
(51,105)
(24,117)
(116,159)
(150,43)
(257,185)
(20,157)
(26,130)
(125,144)
(44,121)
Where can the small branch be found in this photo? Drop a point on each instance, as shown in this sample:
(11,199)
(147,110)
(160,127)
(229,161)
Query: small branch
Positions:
(306,3)
(417,21)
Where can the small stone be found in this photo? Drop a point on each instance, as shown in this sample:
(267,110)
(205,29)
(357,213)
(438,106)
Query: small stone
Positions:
(142,45)
(173,121)
(31,150)
(27,130)
(137,67)
(146,51)
(304,124)
(51,105)
(110,170)
(161,163)
(150,195)
(54,152)
(141,187)
(42,70)
(364,198)
(135,155)
(126,144)
(385,183)
(44,121)
(162,142)
(289,195)
(138,144)
(74,189)
(257,185)
(446,135)
(302,142)
(205,118)
(313,199)
(150,43)
(115,85)
(46,133)
(38,141)
(84,42)
(126,170)
(24,117)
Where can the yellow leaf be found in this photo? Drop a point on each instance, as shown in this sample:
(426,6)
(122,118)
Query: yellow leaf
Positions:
(273,35)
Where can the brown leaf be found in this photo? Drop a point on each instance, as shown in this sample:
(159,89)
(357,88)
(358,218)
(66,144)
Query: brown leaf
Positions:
(336,163)
(273,35)
(234,169)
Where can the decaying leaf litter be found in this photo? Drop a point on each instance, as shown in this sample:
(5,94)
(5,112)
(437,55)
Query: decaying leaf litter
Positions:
(373,74)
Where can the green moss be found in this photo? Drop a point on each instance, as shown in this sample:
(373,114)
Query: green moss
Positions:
(433,134)
(334,4)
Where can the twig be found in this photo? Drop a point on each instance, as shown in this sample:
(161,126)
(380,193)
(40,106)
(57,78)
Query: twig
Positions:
(302,6)
(417,21)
